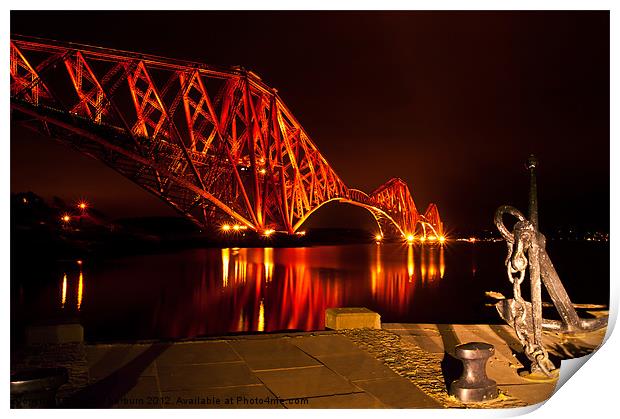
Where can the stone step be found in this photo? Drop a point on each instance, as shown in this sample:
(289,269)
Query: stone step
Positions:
(351,318)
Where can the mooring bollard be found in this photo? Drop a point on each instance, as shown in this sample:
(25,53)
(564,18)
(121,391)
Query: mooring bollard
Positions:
(36,388)
(474,385)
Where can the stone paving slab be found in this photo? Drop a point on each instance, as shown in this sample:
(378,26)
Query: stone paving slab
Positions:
(533,393)
(272,354)
(429,345)
(204,376)
(357,366)
(103,360)
(306,382)
(198,353)
(398,392)
(317,346)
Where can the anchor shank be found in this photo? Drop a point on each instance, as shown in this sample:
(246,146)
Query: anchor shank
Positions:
(536,292)
(533,198)
(556,290)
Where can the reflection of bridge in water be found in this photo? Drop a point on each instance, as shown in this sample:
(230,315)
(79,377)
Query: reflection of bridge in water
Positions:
(300,293)
(216,144)
(291,294)
(255,289)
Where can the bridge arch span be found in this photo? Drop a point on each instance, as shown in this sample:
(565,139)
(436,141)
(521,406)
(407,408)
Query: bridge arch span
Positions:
(378,215)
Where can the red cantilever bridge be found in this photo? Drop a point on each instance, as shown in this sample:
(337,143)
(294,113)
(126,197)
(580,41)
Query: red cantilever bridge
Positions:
(215,143)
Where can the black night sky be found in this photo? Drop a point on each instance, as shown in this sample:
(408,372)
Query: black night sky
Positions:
(451,102)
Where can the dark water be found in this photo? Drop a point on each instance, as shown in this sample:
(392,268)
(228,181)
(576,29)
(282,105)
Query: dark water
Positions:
(201,292)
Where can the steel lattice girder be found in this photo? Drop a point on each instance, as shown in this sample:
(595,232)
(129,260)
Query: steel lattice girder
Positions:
(215,143)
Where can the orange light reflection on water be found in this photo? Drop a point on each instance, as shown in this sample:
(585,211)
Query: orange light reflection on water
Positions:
(442,263)
(267,289)
(432,266)
(225,265)
(268,262)
(63,297)
(393,289)
(376,272)
(423,265)
(80,291)
(261,317)
(410,262)
(240,265)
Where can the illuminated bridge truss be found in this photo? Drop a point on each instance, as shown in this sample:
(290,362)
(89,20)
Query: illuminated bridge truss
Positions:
(216,144)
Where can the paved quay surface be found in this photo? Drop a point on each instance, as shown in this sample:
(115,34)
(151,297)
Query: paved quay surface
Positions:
(399,366)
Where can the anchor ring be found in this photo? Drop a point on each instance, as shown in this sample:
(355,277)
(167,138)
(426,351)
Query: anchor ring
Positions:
(499,222)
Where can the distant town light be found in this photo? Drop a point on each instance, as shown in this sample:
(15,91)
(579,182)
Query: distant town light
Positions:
(472,240)
(82,205)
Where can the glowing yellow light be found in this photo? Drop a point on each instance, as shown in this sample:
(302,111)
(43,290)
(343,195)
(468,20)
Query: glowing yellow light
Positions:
(410,263)
(261,317)
(373,282)
(472,240)
(225,264)
(432,266)
(376,273)
(64,291)
(240,266)
(80,290)
(236,227)
(410,238)
(82,205)
(431,238)
(268,261)
(442,264)
(423,239)
(79,262)
(66,218)
(269,232)
(442,239)
(262,171)
(225,227)
(378,237)
(301,233)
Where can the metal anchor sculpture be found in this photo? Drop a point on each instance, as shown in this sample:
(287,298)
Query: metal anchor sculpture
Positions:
(526,249)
